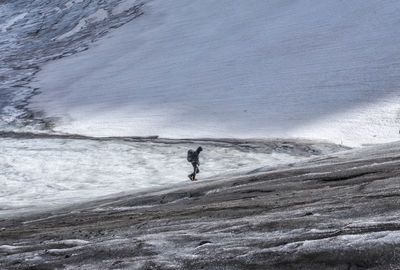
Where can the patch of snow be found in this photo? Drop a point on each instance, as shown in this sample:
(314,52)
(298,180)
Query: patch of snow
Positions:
(212,191)
(12,21)
(319,230)
(9,248)
(69,4)
(64,170)
(34,257)
(370,123)
(61,251)
(98,16)
(124,6)
(100,209)
(74,242)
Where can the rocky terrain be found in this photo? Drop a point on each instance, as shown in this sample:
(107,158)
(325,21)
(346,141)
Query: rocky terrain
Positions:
(339,211)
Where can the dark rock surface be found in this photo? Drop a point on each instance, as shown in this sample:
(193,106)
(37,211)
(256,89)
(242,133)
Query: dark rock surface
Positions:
(339,211)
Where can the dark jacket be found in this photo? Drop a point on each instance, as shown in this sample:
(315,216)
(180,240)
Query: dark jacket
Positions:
(195,156)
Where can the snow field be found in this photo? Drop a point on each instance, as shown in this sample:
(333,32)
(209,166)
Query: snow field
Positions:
(45,173)
(312,69)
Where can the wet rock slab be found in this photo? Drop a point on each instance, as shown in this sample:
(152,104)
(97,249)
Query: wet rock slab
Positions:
(335,212)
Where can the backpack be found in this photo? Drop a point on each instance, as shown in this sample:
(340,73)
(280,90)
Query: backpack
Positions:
(190,156)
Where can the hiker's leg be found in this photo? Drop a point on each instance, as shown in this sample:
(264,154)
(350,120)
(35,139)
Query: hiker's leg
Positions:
(194,170)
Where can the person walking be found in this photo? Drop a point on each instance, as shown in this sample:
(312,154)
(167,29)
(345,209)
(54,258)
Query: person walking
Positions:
(193,158)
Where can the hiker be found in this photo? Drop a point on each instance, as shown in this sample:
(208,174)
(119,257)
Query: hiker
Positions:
(193,157)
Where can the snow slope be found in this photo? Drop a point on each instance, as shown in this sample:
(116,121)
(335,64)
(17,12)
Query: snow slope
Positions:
(314,69)
(46,172)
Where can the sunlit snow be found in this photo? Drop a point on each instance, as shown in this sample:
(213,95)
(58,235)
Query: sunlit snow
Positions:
(46,173)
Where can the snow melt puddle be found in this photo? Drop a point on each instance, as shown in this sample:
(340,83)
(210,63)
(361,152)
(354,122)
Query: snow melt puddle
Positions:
(45,173)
